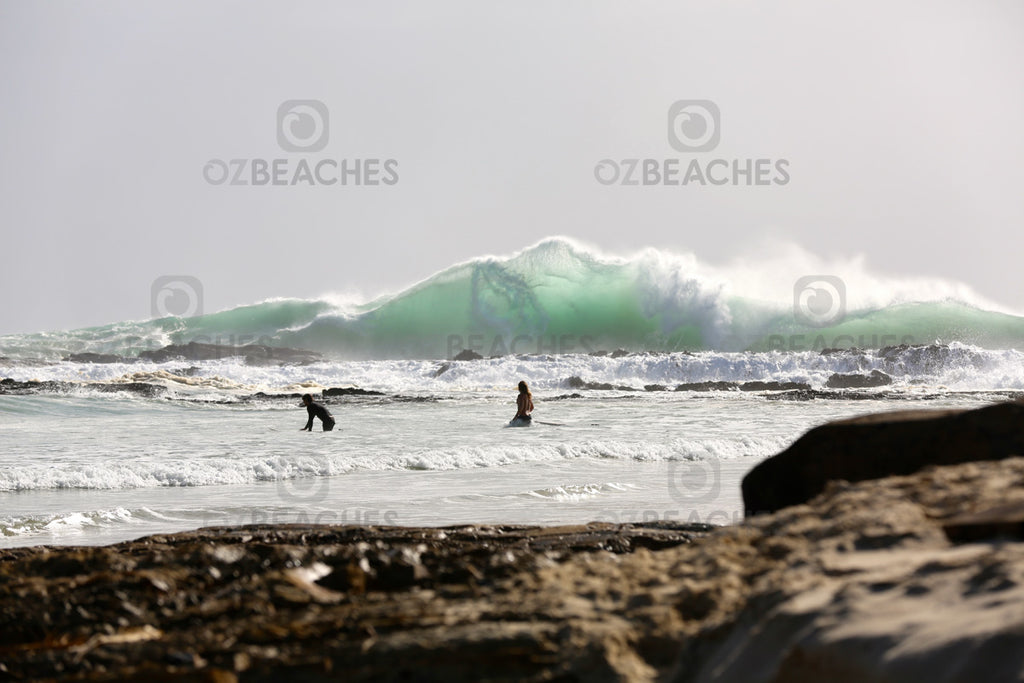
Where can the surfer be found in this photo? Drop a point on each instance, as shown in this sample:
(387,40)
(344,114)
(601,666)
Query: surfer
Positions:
(317,410)
(524,405)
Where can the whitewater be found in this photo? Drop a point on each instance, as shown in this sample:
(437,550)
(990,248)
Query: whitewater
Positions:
(667,380)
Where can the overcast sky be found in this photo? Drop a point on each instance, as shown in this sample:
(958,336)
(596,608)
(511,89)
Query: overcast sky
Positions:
(900,124)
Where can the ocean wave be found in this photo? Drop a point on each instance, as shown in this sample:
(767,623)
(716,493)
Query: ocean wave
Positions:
(560,297)
(296,473)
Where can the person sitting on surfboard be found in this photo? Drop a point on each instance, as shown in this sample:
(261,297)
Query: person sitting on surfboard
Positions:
(524,404)
(317,410)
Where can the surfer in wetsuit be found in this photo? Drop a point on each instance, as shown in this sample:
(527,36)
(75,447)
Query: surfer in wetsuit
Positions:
(524,405)
(317,410)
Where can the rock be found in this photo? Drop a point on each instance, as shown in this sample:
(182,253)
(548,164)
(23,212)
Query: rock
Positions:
(881,445)
(1006,521)
(441,369)
(869,589)
(13,386)
(10,386)
(468,354)
(708,386)
(756,385)
(138,388)
(254,354)
(351,391)
(575,382)
(774,386)
(655,387)
(876,378)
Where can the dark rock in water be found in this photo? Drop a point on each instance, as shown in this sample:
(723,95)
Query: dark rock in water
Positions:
(468,354)
(98,358)
(575,382)
(619,353)
(655,387)
(812,394)
(140,388)
(351,391)
(774,386)
(443,368)
(744,386)
(877,378)
(263,396)
(10,386)
(708,386)
(881,445)
(563,396)
(254,354)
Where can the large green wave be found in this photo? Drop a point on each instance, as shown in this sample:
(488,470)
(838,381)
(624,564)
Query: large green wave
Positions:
(552,297)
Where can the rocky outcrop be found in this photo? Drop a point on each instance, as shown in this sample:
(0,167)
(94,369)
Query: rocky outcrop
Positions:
(254,354)
(754,385)
(774,386)
(575,382)
(351,391)
(876,378)
(880,445)
(864,583)
(467,354)
(11,386)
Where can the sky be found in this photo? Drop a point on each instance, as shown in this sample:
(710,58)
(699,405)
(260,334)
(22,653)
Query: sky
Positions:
(889,132)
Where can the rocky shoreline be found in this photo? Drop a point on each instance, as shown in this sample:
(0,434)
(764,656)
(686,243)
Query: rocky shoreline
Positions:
(915,577)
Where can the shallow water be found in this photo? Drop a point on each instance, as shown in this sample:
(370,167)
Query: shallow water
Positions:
(100,468)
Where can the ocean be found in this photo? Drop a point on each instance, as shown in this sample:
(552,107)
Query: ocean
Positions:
(646,377)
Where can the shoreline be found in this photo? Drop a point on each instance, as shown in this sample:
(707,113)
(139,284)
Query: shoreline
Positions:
(872,560)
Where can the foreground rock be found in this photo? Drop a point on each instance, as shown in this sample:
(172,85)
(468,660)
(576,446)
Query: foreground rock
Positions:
(880,445)
(862,584)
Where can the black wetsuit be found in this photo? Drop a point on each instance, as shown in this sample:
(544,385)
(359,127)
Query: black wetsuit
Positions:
(317,410)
